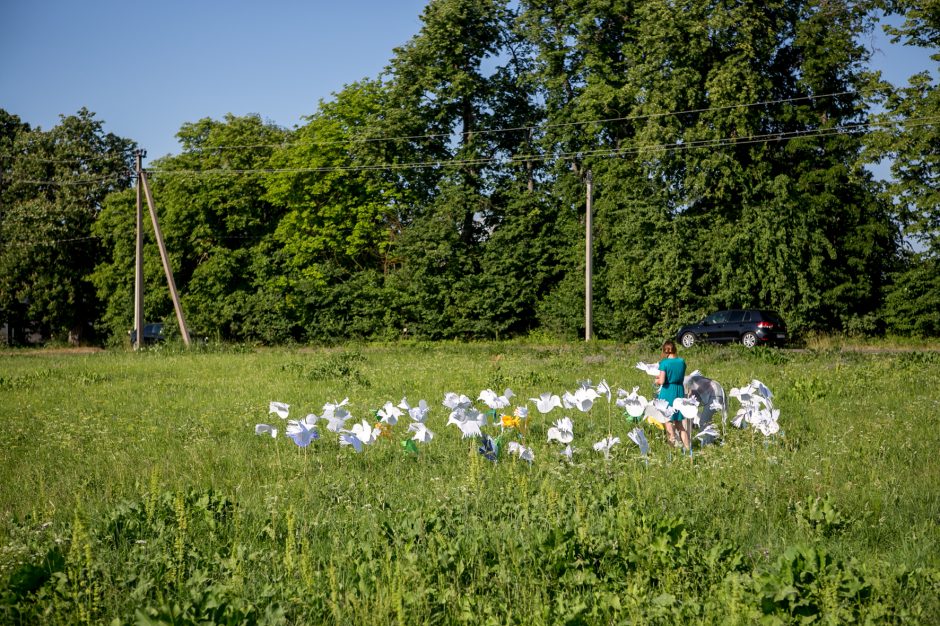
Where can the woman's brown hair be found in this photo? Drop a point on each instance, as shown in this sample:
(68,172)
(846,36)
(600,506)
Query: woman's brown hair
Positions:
(669,347)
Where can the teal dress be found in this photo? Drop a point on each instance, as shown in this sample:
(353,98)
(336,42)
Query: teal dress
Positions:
(673,387)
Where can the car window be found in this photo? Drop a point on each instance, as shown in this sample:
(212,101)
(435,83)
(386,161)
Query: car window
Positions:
(747,317)
(735,317)
(772,316)
(717,318)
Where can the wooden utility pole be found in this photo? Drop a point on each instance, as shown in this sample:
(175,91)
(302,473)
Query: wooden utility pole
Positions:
(588,236)
(139,260)
(184,331)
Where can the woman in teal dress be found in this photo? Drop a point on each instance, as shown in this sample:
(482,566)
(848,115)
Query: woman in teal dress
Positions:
(670,378)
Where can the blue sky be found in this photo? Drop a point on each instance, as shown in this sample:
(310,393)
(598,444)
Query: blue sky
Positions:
(146,68)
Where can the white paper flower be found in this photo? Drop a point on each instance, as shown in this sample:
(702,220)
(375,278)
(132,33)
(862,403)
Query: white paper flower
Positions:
(688,407)
(582,399)
(562,431)
(454,401)
(490,399)
(282,409)
(638,437)
(364,432)
(303,431)
(546,402)
(349,439)
(389,414)
(521,451)
(421,432)
(417,413)
(605,444)
(266,429)
(634,403)
(650,368)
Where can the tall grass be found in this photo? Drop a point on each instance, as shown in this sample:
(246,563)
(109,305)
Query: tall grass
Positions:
(134,488)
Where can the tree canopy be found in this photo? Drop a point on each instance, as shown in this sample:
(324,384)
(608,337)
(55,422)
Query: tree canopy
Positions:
(730,147)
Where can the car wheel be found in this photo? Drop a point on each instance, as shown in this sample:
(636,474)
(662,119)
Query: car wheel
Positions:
(687,340)
(749,340)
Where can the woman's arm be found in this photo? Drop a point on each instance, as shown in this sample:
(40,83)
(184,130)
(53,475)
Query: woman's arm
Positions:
(661,378)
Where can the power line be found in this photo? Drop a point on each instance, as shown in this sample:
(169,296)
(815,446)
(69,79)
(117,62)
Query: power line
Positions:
(87,181)
(23,243)
(364,140)
(717,142)
(601,152)
(665,147)
(644,116)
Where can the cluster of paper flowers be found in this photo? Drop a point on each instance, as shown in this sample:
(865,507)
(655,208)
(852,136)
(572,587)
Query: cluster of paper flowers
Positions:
(362,433)
(500,427)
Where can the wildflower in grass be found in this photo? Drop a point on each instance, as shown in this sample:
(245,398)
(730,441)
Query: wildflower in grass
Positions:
(282,409)
(605,445)
(262,429)
(546,402)
(562,431)
(381,429)
(303,431)
(638,437)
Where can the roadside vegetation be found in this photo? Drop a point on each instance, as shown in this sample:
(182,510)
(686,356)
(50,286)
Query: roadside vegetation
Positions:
(134,489)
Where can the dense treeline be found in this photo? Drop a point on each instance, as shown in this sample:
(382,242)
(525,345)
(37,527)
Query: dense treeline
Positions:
(728,144)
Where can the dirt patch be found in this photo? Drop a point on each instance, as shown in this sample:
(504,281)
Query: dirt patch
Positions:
(52,351)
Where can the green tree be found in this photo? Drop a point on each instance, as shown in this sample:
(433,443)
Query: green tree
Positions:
(911,140)
(218,229)
(53,189)
(346,205)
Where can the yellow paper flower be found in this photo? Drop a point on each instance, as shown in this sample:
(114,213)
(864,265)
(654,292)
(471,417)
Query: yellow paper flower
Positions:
(384,429)
(509,421)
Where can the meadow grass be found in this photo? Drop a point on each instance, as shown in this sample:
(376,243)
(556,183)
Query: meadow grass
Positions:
(134,490)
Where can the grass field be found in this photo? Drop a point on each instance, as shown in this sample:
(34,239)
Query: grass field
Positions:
(134,490)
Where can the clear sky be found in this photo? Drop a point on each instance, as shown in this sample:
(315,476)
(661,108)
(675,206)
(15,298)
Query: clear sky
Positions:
(146,68)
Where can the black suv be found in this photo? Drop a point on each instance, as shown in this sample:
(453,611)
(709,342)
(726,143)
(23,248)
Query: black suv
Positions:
(751,327)
(153,333)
